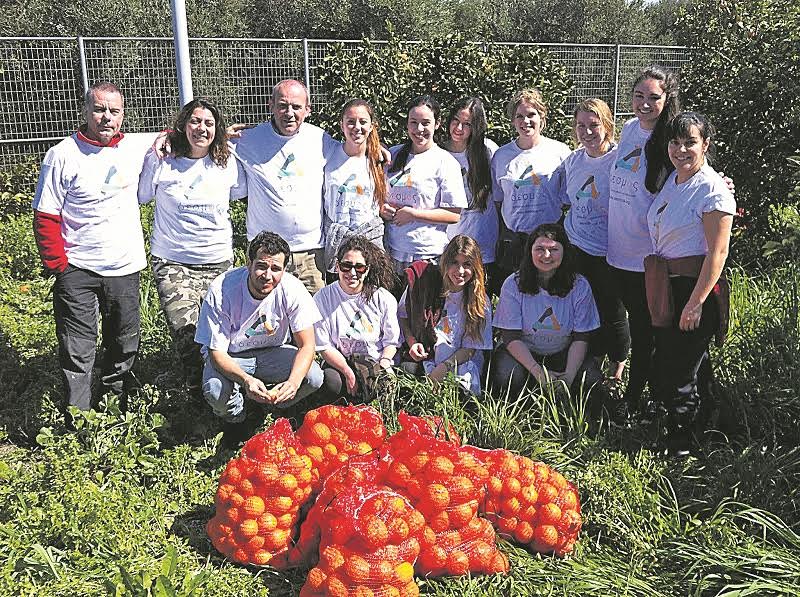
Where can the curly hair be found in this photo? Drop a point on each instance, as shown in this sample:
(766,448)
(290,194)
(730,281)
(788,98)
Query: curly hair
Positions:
(380,273)
(218,151)
(563,279)
(474,297)
(271,243)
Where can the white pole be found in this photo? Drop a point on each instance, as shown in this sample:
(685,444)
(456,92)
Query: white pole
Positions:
(182,62)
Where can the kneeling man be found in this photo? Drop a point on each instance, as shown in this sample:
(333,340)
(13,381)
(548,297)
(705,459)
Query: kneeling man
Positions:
(244,328)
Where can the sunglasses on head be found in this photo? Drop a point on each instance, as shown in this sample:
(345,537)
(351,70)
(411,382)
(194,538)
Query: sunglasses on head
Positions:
(346,266)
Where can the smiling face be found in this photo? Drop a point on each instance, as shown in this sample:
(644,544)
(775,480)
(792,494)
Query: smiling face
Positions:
(547,255)
(356,127)
(200,131)
(459,273)
(460,129)
(648,102)
(264,273)
(591,133)
(688,154)
(350,278)
(421,126)
(289,107)
(104,116)
(528,124)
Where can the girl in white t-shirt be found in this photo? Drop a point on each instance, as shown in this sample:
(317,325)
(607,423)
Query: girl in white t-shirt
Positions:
(690,220)
(546,315)
(192,235)
(425,190)
(354,187)
(467,142)
(519,170)
(358,334)
(446,316)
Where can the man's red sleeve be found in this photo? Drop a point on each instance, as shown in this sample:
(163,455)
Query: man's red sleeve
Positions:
(47,230)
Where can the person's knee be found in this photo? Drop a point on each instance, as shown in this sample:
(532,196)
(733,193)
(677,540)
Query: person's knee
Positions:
(225,400)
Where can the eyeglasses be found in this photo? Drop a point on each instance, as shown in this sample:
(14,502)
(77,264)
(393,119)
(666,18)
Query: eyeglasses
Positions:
(346,266)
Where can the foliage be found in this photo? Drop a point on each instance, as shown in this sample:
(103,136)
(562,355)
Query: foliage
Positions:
(745,75)
(448,68)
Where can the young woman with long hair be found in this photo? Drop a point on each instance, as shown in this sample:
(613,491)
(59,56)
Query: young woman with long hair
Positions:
(446,316)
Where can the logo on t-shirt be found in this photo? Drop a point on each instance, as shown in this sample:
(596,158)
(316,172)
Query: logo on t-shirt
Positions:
(527,178)
(113,182)
(402,178)
(547,321)
(261,327)
(360,327)
(351,188)
(289,167)
(630,161)
(588,190)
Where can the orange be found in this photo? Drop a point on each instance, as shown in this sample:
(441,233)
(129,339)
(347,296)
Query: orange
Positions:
(399,474)
(527,513)
(527,476)
(557,479)
(304,476)
(279,504)
(428,537)
(414,488)
(481,556)
(234,515)
(236,499)
(276,540)
(511,486)
(545,536)
(397,505)
(287,484)
(438,496)
(232,472)
(330,451)
(570,523)
(248,528)
(261,557)
(547,493)
(267,522)
(549,514)
(398,530)
(253,506)
(494,486)
(299,495)
(418,461)
(320,433)
(241,556)
(361,591)
(461,515)
(507,524)
(510,506)
(439,466)
(335,587)
(286,521)
(523,533)
(457,563)
(461,489)
(449,540)
(315,453)
(434,558)
(410,590)
(376,434)
(266,473)
(362,448)
(224,491)
(375,532)
(339,438)
(246,487)
(331,557)
(357,568)
(528,494)
(416,522)
(440,522)
(542,471)
(509,466)
(410,549)
(254,544)
(316,577)
(383,571)
(567,499)
(499,563)
(404,573)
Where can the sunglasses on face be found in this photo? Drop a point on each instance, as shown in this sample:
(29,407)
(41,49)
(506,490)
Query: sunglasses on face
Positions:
(346,266)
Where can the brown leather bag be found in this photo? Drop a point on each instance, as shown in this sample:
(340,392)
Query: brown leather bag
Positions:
(659,291)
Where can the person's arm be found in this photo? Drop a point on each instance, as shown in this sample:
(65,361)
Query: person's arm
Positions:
(512,339)
(386,360)
(47,205)
(254,388)
(439,215)
(462,355)
(717,228)
(575,357)
(306,348)
(336,360)
(415,349)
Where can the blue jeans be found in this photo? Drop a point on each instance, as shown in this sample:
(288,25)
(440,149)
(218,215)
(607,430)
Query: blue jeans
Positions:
(270,365)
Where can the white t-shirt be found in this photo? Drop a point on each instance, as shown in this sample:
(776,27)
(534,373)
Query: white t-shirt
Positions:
(284,182)
(546,321)
(676,216)
(192,223)
(232,320)
(349,190)
(629,201)
(517,178)
(581,182)
(93,189)
(355,326)
(429,180)
(482,226)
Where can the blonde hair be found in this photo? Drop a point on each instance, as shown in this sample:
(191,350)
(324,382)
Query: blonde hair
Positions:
(530,96)
(474,297)
(600,109)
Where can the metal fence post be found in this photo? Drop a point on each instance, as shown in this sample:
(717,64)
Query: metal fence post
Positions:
(307,69)
(82,59)
(616,83)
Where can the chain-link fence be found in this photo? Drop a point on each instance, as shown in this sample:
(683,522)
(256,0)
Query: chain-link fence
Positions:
(42,80)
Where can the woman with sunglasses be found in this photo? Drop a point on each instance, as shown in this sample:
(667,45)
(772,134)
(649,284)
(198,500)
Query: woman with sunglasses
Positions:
(358,331)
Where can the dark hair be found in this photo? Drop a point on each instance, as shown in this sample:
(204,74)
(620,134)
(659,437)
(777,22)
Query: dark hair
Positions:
(428,101)
(218,151)
(271,244)
(479,177)
(474,297)
(563,279)
(106,86)
(658,163)
(380,273)
(374,151)
(680,127)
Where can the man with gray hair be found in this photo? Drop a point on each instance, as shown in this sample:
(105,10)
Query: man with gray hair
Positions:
(87,228)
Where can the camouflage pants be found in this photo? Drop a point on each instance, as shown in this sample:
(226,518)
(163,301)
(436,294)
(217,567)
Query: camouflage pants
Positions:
(181,289)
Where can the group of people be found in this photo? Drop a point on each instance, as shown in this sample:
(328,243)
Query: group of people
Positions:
(610,249)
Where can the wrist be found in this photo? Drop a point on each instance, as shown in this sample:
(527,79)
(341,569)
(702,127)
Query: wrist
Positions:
(383,360)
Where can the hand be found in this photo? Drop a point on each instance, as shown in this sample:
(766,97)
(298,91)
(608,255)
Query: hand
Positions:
(350,381)
(161,145)
(386,364)
(283,392)
(234,131)
(404,215)
(439,372)
(566,376)
(538,373)
(690,317)
(418,352)
(729,182)
(386,156)
(387,212)
(256,390)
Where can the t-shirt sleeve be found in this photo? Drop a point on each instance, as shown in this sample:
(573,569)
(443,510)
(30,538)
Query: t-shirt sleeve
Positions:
(50,192)
(390,327)
(401,306)
(239,189)
(451,187)
(718,198)
(555,187)
(148,179)
(213,325)
(329,146)
(322,328)
(586,315)
(302,311)
(497,188)
(509,307)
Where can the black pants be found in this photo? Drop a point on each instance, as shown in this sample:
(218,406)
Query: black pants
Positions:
(681,365)
(614,337)
(631,289)
(78,296)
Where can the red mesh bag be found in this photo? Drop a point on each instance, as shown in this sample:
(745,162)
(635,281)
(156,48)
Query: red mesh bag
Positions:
(427,426)
(370,538)
(446,483)
(332,434)
(259,498)
(530,503)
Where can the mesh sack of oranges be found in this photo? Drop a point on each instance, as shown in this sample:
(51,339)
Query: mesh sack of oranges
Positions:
(530,503)
(259,498)
(426,426)
(370,539)
(332,434)
(446,483)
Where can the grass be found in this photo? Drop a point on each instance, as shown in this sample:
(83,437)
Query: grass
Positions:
(119,505)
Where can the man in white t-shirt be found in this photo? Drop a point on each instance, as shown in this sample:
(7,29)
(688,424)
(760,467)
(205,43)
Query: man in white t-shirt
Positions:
(89,235)
(244,327)
(284,161)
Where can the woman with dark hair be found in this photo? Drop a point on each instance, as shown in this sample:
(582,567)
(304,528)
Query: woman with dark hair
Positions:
(467,142)
(358,334)
(355,186)
(690,228)
(192,240)
(546,314)
(425,190)
(446,316)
